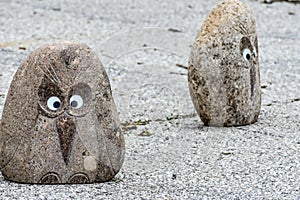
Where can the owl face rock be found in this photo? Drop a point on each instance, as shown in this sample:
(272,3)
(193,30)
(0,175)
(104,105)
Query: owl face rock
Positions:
(223,72)
(60,123)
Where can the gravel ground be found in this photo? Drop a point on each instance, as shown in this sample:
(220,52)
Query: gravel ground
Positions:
(169,153)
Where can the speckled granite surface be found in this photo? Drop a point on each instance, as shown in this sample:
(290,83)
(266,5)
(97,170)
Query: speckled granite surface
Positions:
(170,154)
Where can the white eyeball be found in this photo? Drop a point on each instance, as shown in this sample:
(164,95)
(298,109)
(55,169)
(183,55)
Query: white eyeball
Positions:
(76,101)
(247,54)
(54,103)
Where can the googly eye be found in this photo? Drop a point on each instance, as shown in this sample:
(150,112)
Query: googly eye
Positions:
(54,103)
(76,101)
(247,54)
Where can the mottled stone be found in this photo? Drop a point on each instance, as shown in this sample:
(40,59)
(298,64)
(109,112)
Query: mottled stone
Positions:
(223,74)
(60,123)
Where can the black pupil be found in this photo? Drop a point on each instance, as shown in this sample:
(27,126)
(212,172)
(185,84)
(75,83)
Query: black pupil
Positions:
(56,104)
(74,104)
(248,56)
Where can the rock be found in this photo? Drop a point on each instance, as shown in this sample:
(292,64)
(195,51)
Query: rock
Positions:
(223,72)
(60,123)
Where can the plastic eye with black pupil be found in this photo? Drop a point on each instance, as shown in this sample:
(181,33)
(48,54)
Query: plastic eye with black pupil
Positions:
(76,101)
(247,54)
(53,103)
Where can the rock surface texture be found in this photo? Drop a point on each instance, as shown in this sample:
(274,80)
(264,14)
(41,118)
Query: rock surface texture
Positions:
(170,154)
(223,75)
(60,123)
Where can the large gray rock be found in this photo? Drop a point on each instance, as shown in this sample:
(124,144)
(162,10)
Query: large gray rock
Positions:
(223,73)
(60,123)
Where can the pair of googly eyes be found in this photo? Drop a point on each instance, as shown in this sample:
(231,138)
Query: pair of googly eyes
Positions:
(247,54)
(54,102)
